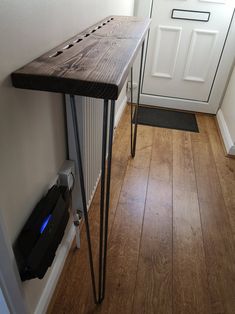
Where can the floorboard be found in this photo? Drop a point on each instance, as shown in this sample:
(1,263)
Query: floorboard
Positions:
(225,168)
(216,227)
(153,293)
(124,240)
(190,285)
(171,231)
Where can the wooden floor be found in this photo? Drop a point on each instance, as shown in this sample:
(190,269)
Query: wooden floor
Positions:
(171,232)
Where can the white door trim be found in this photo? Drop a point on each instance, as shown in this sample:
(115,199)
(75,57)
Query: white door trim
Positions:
(143,8)
(224,69)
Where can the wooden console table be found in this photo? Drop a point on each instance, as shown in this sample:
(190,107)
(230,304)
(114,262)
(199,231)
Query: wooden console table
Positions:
(94,63)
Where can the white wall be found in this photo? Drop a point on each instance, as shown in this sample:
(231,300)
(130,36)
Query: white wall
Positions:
(226,116)
(228,106)
(32,135)
(142,8)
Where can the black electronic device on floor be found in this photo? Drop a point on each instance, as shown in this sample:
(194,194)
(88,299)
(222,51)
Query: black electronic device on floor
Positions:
(41,235)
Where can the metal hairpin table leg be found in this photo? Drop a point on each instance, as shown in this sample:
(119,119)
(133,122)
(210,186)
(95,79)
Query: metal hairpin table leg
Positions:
(102,194)
(83,192)
(105,193)
(108,122)
(107,143)
(107,201)
(135,117)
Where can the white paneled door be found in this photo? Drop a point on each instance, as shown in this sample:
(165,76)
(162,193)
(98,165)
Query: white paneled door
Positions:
(185,48)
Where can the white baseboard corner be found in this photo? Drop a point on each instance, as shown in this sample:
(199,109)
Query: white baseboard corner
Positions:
(56,270)
(227,139)
(120,111)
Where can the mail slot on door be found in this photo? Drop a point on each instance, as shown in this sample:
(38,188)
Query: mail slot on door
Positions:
(190,15)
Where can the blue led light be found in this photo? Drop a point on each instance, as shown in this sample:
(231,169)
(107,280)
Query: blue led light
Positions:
(45,223)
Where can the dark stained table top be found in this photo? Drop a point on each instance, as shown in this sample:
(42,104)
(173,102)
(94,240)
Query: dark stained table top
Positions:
(94,63)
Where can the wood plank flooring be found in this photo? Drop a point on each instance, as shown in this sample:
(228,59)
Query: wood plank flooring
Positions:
(171,231)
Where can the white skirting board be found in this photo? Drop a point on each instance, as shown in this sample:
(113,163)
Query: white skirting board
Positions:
(227,139)
(56,270)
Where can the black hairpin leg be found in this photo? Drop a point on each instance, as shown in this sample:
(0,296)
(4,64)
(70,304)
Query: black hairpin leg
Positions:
(83,192)
(105,193)
(107,143)
(107,201)
(102,194)
(135,117)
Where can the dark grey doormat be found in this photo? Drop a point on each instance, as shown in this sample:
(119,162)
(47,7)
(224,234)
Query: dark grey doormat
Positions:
(170,119)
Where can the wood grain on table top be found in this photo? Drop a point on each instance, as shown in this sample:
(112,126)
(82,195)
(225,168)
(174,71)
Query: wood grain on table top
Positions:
(94,63)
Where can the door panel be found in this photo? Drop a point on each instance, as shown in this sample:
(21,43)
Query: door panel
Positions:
(183,55)
(199,60)
(165,57)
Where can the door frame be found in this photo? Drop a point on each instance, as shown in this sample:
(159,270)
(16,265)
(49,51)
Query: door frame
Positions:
(144,9)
